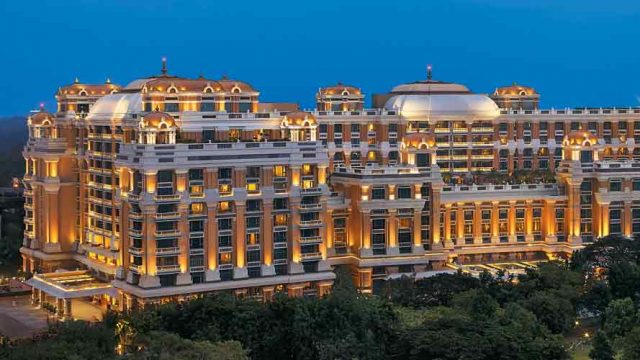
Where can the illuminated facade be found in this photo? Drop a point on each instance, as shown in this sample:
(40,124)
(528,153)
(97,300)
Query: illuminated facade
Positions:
(172,187)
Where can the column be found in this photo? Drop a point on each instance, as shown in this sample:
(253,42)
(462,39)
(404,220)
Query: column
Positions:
(240,269)
(366,230)
(267,239)
(295,266)
(604,220)
(447,226)
(627,230)
(328,223)
(495,222)
(211,243)
(512,220)
(148,270)
(392,233)
(435,210)
(549,215)
(460,223)
(417,231)
(66,304)
(184,278)
(528,221)
(477,223)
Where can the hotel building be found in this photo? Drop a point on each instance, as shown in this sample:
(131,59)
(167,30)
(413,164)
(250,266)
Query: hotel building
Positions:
(171,187)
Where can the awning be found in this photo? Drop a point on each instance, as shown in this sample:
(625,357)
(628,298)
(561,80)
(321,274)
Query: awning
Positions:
(71,284)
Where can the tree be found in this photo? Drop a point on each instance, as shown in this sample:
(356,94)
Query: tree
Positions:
(553,311)
(601,348)
(619,318)
(432,291)
(631,345)
(624,279)
(165,346)
(73,340)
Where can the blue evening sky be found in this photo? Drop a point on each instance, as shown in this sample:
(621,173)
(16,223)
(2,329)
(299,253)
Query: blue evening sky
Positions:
(575,52)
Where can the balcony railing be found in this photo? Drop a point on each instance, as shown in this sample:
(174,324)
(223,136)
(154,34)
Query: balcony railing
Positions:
(310,239)
(135,250)
(313,206)
(311,256)
(170,197)
(168,250)
(171,215)
(164,233)
(135,232)
(167,268)
(315,222)
(313,190)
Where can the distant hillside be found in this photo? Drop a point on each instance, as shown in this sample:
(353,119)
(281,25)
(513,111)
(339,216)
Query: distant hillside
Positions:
(13,135)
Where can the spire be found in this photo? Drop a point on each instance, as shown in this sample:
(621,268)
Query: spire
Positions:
(429,74)
(108,81)
(164,65)
(76,80)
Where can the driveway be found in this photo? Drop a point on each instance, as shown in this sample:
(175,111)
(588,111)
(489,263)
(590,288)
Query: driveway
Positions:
(18,318)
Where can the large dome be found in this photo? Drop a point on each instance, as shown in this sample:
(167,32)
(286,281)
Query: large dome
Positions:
(437,100)
(115,106)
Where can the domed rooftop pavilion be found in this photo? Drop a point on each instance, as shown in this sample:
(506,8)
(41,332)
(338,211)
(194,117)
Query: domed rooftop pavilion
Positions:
(438,100)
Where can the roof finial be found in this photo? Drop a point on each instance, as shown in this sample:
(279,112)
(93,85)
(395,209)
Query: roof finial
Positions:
(225,77)
(164,65)
(429,75)
(76,80)
(42,106)
(201,75)
(108,81)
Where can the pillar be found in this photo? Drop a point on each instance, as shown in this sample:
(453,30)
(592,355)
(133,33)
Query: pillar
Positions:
(267,239)
(240,269)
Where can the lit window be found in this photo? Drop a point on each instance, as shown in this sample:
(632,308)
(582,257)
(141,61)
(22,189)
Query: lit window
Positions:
(223,206)
(279,171)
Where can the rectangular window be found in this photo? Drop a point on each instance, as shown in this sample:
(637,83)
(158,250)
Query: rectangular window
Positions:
(378,193)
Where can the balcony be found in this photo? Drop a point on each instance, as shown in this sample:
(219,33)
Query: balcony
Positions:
(168,251)
(135,267)
(311,256)
(196,251)
(311,191)
(135,250)
(312,206)
(135,216)
(280,227)
(170,215)
(135,232)
(482,129)
(310,239)
(165,269)
(133,197)
(170,197)
(309,223)
(166,233)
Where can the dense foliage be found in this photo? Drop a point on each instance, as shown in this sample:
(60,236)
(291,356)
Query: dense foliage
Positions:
(449,316)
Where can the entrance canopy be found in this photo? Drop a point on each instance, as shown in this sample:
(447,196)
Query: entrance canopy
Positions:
(71,284)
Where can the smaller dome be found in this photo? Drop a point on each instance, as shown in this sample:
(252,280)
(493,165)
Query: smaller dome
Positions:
(418,139)
(157,119)
(580,137)
(79,89)
(340,89)
(229,85)
(515,90)
(299,118)
(41,118)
